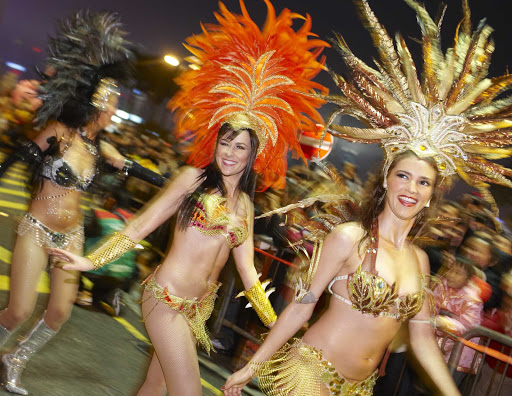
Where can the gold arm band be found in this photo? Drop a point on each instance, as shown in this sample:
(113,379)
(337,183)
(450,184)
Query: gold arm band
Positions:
(260,302)
(117,245)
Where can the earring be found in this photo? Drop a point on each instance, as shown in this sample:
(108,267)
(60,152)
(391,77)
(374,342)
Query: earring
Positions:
(428,203)
(381,198)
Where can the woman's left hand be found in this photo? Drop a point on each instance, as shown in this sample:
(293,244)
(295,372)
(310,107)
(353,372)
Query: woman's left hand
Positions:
(235,383)
(76,262)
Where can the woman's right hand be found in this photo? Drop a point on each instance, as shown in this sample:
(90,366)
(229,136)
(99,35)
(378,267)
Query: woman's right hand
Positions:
(235,383)
(76,262)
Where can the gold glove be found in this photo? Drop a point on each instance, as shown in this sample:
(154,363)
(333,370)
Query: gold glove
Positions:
(258,299)
(117,245)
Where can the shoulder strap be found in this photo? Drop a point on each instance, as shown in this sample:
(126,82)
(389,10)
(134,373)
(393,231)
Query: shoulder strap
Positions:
(371,252)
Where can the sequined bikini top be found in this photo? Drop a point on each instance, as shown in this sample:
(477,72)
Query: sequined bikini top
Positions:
(210,217)
(60,172)
(372,295)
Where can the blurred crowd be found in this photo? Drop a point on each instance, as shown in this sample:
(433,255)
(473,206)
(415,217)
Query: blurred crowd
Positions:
(470,250)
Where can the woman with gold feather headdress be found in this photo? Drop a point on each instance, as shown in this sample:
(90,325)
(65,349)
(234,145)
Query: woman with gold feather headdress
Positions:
(449,122)
(246,102)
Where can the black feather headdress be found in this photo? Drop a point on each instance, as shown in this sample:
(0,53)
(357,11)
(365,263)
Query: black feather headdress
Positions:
(89,47)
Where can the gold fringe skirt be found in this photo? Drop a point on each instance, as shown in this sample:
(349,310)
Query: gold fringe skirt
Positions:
(196,311)
(299,369)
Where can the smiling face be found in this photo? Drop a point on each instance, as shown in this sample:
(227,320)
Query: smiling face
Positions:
(233,153)
(410,185)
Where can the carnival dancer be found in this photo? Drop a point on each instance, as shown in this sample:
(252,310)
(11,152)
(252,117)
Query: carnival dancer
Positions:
(88,57)
(447,124)
(246,103)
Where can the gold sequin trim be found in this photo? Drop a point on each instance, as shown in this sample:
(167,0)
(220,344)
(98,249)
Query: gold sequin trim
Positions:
(299,369)
(196,311)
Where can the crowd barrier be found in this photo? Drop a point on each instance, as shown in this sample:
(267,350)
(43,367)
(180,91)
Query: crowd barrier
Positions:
(482,349)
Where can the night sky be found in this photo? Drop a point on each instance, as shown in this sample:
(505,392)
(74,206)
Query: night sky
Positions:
(160,26)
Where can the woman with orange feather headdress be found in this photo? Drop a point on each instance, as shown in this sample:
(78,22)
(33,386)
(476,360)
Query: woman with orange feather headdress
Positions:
(246,104)
(260,80)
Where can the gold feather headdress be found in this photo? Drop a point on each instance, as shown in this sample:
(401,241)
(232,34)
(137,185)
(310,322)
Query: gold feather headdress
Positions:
(251,78)
(453,114)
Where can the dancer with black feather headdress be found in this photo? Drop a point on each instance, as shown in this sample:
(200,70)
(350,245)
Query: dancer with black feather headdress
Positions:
(79,93)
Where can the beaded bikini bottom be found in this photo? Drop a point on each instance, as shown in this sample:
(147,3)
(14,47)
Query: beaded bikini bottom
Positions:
(196,311)
(48,238)
(299,369)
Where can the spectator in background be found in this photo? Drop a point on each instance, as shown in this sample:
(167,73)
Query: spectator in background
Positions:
(458,308)
(445,235)
(499,320)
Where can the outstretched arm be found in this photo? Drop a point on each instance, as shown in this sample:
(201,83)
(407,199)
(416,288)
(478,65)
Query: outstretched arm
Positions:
(337,247)
(118,161)
(424,344)
(154,213)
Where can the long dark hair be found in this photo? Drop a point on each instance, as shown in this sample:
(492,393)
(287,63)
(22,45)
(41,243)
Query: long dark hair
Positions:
(211,178)
(374,196)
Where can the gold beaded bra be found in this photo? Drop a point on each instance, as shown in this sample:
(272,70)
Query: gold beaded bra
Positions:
(372,295)
(210,217)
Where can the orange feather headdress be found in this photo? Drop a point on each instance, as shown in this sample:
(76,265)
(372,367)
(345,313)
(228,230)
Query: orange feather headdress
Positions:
(252,79)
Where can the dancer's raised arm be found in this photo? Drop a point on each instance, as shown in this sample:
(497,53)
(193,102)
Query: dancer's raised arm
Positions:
(154,213)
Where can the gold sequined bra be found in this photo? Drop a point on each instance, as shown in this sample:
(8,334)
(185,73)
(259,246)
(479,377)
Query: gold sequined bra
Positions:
(211,218)
(372,295)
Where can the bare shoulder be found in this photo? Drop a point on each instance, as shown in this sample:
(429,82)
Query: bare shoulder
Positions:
(350,232)
(423,259)
(57,129)
(53,128)
(108,149)
(187,178)
(347,235)
(188,173)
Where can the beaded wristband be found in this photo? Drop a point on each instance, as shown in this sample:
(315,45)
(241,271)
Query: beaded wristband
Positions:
(260,302)
(117,245)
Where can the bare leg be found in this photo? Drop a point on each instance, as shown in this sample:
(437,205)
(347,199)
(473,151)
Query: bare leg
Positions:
(175,347)
(64,288)
(27,264)
(154,385)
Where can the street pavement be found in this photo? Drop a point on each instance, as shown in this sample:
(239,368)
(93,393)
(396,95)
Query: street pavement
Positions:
(94,353)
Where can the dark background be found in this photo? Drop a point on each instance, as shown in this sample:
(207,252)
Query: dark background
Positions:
(160,26)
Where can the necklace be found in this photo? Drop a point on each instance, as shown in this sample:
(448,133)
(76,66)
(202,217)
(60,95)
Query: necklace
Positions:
(90,144)
(40,198)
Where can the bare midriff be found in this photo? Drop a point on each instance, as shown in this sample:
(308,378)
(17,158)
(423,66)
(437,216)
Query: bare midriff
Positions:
(194,261)
(57,208)
(353,342)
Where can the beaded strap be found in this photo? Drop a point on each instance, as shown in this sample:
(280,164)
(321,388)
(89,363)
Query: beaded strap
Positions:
(117,245)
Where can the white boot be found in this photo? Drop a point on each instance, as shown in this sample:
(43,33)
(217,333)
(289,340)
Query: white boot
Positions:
(14,363)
